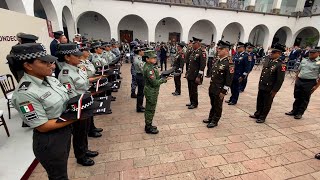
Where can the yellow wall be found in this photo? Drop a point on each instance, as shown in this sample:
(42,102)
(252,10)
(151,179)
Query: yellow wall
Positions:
(12,23)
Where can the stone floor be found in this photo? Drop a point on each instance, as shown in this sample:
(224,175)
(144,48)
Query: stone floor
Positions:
(282,148)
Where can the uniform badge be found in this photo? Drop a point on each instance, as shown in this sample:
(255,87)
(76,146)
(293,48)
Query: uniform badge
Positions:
(221,67)
(67,86)
(65,71)
(83,68)
(24,86)
(283,68)
(45,95)
(231,69)
(151,74)
(98,63)
(28,111)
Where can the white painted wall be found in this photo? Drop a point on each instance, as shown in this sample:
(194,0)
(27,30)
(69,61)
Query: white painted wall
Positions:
(203,30)
(162,31)
(92,29)
(136,24)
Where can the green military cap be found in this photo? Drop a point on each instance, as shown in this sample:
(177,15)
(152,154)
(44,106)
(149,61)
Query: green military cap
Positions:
(150,54)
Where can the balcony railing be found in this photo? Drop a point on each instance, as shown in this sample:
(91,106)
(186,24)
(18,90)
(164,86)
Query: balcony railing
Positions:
(238,5)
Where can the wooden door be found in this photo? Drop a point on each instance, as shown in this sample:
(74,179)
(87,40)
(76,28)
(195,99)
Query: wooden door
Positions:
(126,35)
(174,37)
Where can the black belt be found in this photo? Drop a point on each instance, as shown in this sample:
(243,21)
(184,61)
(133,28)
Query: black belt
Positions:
(307,80)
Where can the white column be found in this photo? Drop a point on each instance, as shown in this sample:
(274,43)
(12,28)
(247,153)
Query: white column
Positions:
(114,31)
(276,6)
(300,6)
(151,33)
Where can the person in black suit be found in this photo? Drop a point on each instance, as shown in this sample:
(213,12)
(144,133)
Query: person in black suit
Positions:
(305,53)
(53,48)
(295,53)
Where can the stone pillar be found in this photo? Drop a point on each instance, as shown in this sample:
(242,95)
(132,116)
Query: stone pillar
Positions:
(251,6)
(299,7)
(276,6)
(223,3)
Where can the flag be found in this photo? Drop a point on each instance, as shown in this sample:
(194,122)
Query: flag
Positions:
(27,108)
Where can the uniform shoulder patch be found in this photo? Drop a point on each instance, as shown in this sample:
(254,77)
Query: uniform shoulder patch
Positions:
(28,111)
(65,71)
(24,86)
(283,67)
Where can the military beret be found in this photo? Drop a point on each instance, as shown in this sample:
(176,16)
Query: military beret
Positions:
(196,39)
(241,44)
(78,107)
(70,48)
(222,44)
(28,38)
(278,47)
(32,51)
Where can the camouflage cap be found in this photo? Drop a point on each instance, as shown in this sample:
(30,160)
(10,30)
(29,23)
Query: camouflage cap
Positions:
(150,54)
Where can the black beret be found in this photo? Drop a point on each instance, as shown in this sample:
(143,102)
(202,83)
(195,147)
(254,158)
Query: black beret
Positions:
(28,38)
(32,51)
(70,48)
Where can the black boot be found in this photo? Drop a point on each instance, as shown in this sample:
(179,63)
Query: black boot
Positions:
(150,130)
(85,161)
(212,124)
(92,153)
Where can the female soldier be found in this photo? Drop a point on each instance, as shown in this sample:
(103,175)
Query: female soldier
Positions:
(77,82)
(40,101)
(96,51)
(89,68)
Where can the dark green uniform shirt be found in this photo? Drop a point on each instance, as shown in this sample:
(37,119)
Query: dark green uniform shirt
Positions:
(151,77)
(272,75)
(222,76)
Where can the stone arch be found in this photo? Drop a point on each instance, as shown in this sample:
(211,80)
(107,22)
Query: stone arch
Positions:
(283,36)
(68,23)
(44,9)
(168,28)
(259,35)
(233,32)
(203,29)
(133,27)
(302,35)
(17,6)
(93,26)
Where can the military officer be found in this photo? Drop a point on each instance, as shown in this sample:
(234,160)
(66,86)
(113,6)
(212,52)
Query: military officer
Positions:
(194,75)
(252,60)
(86,66)
(221,79)
(40,100)
(151,89)
(77,82)
(271,79)
(307,81)
(242,67)
(189,51)
(107,53)
(138,68)
(178,65)
(96,51)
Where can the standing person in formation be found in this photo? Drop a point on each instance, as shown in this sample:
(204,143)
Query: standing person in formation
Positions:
(77,83)
(138,68)
(151,89)
(271,79)
(188,53)
(307,81)
(194,75)
(211,55)
(221,79)
(252,60)
(178,65)
(40,101)
(242,67)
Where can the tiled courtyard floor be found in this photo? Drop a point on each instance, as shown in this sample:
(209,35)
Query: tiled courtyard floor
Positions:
(282,148)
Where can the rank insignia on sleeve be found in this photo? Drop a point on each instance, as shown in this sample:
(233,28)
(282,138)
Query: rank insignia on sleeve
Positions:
(24,86)
(283,68)
(29,112)
(65,71)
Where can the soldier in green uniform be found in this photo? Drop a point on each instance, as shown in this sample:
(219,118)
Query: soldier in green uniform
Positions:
(138,68)
(178,65)
(271,79)
(307,81)
(221,80)
(194,75)
(96,51)
(107,53)
(151,89)
(77,82)
(40,100)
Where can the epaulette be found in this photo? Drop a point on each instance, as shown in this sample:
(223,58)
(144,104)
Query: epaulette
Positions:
(24,86)
(65,71)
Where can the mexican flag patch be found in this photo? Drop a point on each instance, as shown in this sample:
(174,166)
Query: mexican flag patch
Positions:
(26,108)
(67,86)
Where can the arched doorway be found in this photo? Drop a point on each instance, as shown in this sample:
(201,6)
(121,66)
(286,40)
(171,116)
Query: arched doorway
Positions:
(282,36)
(44,9)
(94,26)
(168,29)
(12,5)
(132,27)
(233,33)
(307,36)
(68,23)
(203,29)
(259,35)
(3,4)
